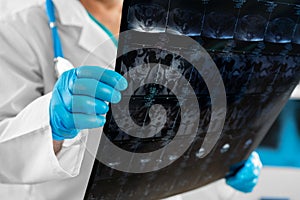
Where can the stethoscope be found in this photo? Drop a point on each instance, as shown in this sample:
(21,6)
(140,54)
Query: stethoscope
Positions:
(60,63)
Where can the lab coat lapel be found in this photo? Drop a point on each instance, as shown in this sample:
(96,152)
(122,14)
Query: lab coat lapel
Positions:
(70,12)
(92,38)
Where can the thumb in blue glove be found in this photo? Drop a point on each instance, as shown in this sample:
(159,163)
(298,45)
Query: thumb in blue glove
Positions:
(79,99)
(246,178)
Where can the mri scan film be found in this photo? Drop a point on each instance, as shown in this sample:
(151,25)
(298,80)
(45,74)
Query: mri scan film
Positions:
(254,45)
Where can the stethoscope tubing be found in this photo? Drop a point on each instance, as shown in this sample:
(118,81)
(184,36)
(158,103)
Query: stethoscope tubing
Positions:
(50,11)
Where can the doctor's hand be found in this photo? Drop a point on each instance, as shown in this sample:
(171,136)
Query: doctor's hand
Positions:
(245,179)
(79,100)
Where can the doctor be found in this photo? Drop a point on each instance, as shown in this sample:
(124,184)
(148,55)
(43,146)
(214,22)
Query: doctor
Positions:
(43,155)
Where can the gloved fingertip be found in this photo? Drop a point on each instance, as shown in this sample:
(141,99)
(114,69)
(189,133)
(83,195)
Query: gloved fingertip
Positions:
(122,84)
(116,97)
(103,121)
(105,108)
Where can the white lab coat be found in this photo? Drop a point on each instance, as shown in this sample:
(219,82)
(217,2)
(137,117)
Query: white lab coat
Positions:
(29,170)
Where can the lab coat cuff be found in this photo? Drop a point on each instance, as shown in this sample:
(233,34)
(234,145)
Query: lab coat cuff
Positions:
(71,155)
(26,148)
(67,162)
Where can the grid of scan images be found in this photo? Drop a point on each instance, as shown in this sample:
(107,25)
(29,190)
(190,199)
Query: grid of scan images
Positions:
(256,48)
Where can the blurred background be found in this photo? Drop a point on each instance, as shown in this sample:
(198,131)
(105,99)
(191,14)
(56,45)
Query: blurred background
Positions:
(279,151)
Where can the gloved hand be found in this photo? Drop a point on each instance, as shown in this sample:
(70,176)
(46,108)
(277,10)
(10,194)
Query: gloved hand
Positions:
(79,99)
(245,179)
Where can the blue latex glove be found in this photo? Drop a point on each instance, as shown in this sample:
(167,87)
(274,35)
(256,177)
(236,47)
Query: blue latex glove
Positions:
(245,179)
(79,99)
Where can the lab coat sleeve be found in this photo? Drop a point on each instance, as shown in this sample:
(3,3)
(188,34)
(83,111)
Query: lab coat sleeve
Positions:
(26,148)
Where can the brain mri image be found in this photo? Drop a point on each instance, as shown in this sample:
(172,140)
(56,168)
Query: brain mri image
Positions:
(255,48)
(280,30)
(186,22)
(219,25)
(251,28)
(148,18)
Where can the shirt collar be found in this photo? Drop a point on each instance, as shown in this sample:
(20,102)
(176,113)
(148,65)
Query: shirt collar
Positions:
(70,12)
